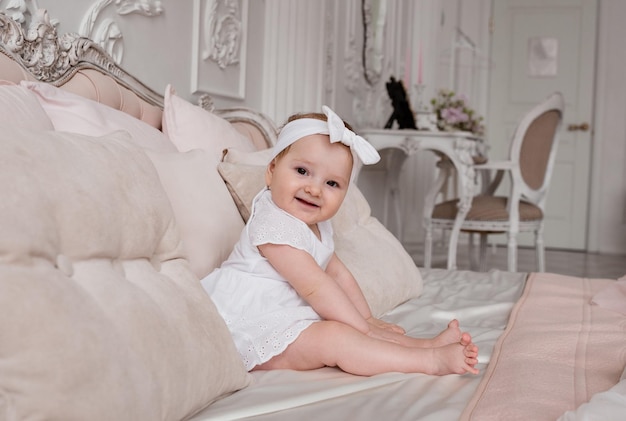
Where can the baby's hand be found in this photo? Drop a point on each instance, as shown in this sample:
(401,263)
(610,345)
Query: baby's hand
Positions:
(386,326)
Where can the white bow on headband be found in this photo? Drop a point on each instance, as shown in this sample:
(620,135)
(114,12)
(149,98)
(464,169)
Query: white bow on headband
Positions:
(336,130)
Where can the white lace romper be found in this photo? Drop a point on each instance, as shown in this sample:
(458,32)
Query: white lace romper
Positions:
(261,309)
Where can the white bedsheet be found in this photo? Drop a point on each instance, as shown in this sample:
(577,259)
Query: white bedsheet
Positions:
(481,301)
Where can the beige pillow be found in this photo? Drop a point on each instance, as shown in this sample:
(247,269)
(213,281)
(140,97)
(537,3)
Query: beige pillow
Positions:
(243,182)
(384,270)
(244,175)
(102,318)
(206,215)
(261,157)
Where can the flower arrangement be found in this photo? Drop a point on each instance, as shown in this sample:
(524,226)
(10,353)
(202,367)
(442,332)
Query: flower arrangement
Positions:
(453,113)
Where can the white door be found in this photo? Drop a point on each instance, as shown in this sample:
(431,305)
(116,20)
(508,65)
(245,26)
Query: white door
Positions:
(541,46)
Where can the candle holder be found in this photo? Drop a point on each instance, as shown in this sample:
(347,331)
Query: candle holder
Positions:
(425,119)
(419,105)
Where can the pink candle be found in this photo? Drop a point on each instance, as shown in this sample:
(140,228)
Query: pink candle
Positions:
(419,66)
(407,68)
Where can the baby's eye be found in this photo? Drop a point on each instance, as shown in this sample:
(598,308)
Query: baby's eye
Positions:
(332,183)
(301,171)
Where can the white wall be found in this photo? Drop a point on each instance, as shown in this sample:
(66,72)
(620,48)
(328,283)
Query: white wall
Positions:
(607,226)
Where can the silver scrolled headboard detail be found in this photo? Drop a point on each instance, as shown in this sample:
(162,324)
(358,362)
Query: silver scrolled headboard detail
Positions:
(53,59)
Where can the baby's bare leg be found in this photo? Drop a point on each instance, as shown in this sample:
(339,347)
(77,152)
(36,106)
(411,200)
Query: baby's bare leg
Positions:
(330,343)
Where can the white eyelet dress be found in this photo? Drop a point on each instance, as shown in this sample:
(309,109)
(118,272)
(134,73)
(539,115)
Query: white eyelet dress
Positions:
(261,309)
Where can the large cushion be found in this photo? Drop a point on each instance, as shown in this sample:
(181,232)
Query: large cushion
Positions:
(206,215)
(20,107)
(73,113)
(384,270)
(102,318)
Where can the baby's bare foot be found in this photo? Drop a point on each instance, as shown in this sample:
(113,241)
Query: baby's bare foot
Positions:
(466,339)
(455,358)
(452,334)
(471,355)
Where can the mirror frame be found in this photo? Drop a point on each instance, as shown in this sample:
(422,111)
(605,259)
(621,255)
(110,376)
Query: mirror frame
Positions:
(373,16)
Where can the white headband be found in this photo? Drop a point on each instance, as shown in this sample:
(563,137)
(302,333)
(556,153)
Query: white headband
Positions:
(334,127)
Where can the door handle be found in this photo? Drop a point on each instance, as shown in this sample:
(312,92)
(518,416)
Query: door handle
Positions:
(583,127)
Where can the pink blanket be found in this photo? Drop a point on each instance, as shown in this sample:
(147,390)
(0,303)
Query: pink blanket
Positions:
(557,351)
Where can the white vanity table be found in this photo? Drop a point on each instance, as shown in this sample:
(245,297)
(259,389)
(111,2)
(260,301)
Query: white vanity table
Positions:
(458,148)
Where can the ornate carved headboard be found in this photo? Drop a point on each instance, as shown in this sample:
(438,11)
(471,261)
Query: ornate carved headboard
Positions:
(74,63)
(79,65)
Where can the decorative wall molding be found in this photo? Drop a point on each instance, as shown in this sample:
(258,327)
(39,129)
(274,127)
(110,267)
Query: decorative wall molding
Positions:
(219,47)
(330,53)
(105,31)
(23,11)
(223,32)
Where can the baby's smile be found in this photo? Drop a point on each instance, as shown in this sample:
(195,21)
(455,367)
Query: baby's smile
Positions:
(307,202)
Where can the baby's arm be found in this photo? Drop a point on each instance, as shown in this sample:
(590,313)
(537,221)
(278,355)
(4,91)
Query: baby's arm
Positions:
(340,273)
(314,285)
(338,270)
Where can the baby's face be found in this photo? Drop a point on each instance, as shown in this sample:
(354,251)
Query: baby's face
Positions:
(311,180)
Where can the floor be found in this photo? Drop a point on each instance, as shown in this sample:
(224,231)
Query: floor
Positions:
(573,263)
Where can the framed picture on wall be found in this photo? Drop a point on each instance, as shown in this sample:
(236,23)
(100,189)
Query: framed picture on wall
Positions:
(219,47)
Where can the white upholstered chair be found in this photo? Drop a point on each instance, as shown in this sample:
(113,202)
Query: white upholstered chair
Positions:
(530,165)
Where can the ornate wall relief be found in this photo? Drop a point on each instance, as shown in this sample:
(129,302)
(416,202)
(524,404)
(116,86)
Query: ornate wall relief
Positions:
(222,32)
(22,11)
(105,31)
(219,47)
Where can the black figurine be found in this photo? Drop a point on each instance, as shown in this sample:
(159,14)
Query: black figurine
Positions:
(402,112)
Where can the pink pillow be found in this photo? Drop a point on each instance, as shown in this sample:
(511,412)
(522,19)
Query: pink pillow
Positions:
(190,127)
(72,113)
(19,107)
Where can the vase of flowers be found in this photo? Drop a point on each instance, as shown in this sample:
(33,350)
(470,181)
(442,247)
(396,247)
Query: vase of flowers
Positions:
(453,113)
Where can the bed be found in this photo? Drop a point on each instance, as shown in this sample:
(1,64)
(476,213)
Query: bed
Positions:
(551,346)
